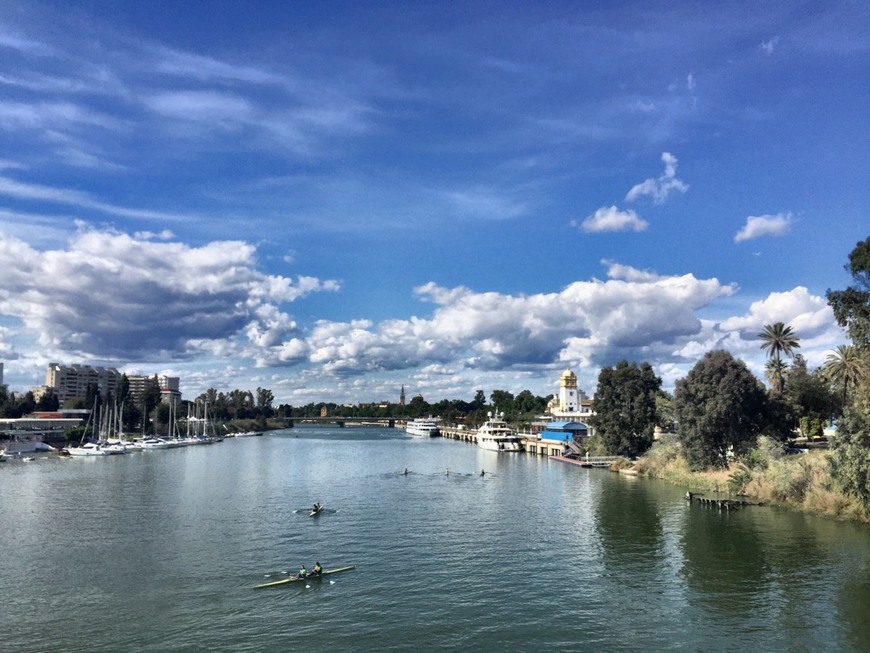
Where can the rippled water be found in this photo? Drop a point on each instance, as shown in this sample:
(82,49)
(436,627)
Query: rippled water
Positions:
(160,550)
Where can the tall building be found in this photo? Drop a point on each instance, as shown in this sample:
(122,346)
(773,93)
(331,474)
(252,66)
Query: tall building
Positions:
(169,387)
(401,394)
(72,381)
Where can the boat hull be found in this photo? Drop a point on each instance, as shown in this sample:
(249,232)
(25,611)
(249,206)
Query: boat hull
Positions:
(423,428)
(296,578)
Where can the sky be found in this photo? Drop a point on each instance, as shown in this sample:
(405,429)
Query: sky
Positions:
(335,200)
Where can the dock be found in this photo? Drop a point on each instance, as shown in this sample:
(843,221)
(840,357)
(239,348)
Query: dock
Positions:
(532,444)
(587,461)
(719,503)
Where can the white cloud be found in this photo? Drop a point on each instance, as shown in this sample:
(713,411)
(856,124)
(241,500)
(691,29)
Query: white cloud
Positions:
(764,225)
(807,314)
(588,321)
(484,203)
(628,273)
(659,189)
(768,46)
(112,296)
(612,219)
(80,199)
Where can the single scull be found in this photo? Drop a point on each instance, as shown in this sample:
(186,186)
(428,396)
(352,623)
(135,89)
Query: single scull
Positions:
(296,577)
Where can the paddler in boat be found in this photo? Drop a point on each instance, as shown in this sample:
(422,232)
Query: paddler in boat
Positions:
(318,570)
(303,572)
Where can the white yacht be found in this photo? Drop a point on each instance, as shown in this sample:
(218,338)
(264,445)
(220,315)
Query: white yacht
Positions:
(424,427)
(496,435)
(87,449)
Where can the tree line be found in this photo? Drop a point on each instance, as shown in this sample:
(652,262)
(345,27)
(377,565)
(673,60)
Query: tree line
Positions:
(522,407)
(719,410)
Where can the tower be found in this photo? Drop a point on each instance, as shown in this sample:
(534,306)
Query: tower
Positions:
(402,396)
(569,399)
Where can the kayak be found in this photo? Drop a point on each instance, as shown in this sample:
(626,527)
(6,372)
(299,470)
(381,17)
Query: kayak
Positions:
(316,511)
(295,577)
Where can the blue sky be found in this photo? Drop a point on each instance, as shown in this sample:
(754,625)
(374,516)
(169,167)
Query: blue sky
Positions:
(335,199)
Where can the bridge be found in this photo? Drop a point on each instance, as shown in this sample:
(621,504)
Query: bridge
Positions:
(389,422)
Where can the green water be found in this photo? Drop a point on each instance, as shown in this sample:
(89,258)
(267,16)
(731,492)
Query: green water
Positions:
(160,550)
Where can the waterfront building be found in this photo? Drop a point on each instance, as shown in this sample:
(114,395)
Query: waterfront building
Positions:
(570,401)
(170,392)
(72,381)
(565,432)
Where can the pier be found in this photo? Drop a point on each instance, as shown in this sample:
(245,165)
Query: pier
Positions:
(588,461)
(718,503)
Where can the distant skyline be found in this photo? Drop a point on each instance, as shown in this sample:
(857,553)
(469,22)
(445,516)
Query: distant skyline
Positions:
(332,200)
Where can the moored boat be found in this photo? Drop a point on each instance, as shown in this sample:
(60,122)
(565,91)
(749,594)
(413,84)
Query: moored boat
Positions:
(496,435)
(87,449)
(426,427)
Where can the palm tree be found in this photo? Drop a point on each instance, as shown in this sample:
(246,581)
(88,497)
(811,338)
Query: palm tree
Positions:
(778,339)
(847,366)
(775,372)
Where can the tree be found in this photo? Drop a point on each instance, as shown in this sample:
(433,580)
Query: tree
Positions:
(778,339)
(720,408)
(625,408)
(264,401)
(150,399)
(846,366)
(502,401)
(48,401)
(852,306)
(850,455)
(808,395)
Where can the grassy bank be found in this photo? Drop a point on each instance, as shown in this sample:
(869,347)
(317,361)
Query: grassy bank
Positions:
(800,481)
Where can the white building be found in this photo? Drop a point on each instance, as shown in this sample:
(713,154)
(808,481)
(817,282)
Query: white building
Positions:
(72,381)
(570,402)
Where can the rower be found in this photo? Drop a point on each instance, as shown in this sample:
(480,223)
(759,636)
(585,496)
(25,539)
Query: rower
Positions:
(318,570)
(303,572)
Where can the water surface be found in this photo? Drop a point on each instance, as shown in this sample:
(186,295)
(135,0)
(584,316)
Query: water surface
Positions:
(160,550)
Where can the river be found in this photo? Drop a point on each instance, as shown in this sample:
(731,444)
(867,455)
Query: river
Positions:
(160,551)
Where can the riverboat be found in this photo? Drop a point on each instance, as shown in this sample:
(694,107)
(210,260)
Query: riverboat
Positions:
(423,427)
(496,435)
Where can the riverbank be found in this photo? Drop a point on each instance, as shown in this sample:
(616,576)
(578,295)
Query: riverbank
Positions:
(799,481)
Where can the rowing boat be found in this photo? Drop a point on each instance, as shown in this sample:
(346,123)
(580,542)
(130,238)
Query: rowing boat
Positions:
(316,511)
(296,577)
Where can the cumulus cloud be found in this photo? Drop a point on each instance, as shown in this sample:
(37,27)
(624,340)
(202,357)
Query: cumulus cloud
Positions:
(659,189)
(110,295)
(764,225)
(807,314)
(612,219)
(617,270)
(592,321)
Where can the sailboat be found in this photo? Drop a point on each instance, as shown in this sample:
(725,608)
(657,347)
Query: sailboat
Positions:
(86,449)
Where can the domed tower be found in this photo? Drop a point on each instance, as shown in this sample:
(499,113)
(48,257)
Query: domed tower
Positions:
(569,399)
